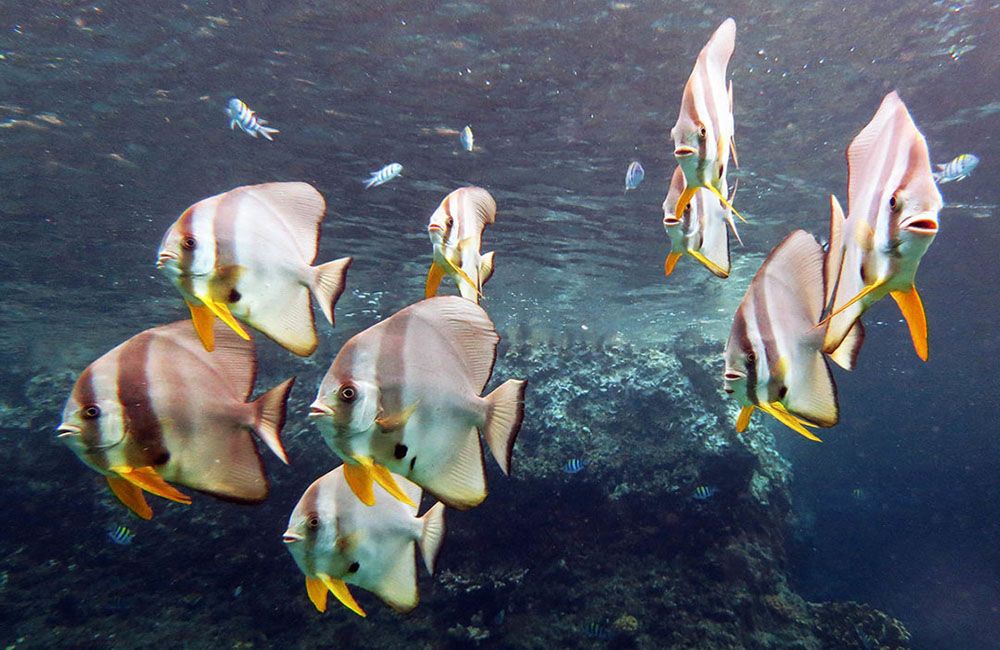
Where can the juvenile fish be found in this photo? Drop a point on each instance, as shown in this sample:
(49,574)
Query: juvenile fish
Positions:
(774,357)
(634,175)
(336,540)
(403,396)
(704,132)
(892,220)
(456,232)
(159,408)
(246,255)
(704,492)
(957,169)
(467,139)
(241,116)
(574,465)
(384,175)
(121,535)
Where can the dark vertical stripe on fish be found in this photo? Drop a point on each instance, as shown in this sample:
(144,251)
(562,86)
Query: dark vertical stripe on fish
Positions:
(185,225)
(740,326)
(142,428)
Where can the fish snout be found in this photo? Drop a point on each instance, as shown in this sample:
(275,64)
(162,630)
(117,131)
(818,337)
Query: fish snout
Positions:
(684,151)
(923,223)
(730,377)
(291,537)
(433,227)
(164,258)
(66,430)
(319,410)
(669,221)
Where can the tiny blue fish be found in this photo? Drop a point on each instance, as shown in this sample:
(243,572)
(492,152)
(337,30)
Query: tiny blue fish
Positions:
(467,139)
(595,630)
(241,116)
(121,535)
(384,175)
(704,492)
(858,494)
(634,175)
(957,169)
(574,465)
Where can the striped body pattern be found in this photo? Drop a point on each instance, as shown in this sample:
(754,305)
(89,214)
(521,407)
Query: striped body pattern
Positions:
(121,535)
(241,116)
(574,465)
(956,169)
(456,233)
(384,175)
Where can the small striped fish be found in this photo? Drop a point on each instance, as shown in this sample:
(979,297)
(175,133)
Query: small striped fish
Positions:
(959,168)
(241,116)
(121,535)
(384,175)
(574,465)
(467,139)
(704,492)
(634,175)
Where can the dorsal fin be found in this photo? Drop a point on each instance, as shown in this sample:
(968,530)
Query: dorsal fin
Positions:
(469,329)
(234,358)
(299,206)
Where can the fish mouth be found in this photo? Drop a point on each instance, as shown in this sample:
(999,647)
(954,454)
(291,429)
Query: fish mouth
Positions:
(164,259)
(290,537)
(670,221)
(684,151)
(434,228)
(320,410)
(67,430)
(923,224)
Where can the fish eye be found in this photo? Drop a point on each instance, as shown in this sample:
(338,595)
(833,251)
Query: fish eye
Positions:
(188,243)
(312,522)
(353,568)
(347,393)
(895,204)
(751,357)
(702,132)
(91,411)
(449,222)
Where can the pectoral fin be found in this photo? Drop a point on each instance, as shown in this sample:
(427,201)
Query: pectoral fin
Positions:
(434,276)
(147,479)
(339,589)
(317,593)
(913,311)
(743,420)
(202,318)
(221,310)
(359,478)
(130,495)
(397,421)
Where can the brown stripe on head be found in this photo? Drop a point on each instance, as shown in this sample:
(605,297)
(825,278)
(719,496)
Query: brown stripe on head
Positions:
(142,428)
(743,342)
(224,228)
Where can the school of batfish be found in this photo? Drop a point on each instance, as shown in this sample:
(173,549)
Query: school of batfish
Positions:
(402,403)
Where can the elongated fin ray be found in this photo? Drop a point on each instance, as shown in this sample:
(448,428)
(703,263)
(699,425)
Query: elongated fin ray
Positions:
(913,311)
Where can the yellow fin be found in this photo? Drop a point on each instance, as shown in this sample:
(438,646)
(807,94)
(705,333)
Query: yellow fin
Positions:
(202,318)
(861,294)
(709,264)
(725,202)
(465,276)
(671,262)
(317,593)
(130,495)
(683,200)
(221,310)
(434,276)
(359,478)
(781,414)
(147,479)
(339,589)
(743,419)
(384,478)
(398,421)
(913,311)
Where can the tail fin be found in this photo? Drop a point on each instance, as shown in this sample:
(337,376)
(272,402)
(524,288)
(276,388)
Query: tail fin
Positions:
(432,535)
(328,283)
(266,131)
(269,417)
(503,421)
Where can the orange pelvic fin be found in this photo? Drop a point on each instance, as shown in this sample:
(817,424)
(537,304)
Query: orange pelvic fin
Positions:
(147,479)
(317,593)
(671,262)
(339,589)
(434,276)
(743,419)
(359,478)
(130,495)
(913,311)
(202,318)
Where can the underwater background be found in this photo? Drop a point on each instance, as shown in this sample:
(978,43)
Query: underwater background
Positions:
(884,535)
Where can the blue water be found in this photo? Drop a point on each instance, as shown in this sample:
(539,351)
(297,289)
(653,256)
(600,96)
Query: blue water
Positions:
(112,122)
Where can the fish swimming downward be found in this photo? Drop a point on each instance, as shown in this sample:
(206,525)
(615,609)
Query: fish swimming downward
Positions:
(159,408)
(384,175)
(403,396)
(774,357)
(336,540)
(245,255)
(956,169)
(701,231)
(456,232)
(704,133)
(241,116)
(892,220)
